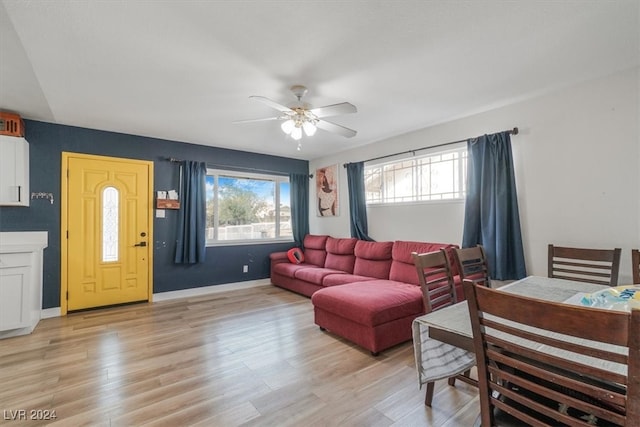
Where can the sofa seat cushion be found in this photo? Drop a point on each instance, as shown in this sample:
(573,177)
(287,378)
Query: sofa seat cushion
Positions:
(314,274)
(287,269)
(342,279)
(371,303)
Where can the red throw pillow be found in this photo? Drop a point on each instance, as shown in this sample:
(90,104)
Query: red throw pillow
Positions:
(295,255)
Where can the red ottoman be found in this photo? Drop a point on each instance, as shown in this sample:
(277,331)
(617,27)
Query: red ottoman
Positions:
(375,314)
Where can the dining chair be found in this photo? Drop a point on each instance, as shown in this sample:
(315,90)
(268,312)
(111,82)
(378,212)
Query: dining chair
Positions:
(472,265)
(436,280)
(438,291)
(635,265)
(544,374)
(599,266)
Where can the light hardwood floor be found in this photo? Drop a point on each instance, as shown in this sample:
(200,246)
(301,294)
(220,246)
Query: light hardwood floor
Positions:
(250,357)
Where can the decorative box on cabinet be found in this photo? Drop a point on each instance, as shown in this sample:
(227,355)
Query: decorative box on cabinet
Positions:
(20,281)
(14,171)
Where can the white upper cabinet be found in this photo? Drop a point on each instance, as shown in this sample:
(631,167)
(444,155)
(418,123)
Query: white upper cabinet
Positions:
(14,171)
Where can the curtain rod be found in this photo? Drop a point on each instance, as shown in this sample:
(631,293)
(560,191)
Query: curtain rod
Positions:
(513,131)
(248,169)
(240,168)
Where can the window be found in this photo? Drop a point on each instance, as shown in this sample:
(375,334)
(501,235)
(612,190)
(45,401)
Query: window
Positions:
(110,214)
(244,207)
(436,176)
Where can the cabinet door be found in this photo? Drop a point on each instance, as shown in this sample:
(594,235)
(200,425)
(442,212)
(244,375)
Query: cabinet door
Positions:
(14,298)
(14,171)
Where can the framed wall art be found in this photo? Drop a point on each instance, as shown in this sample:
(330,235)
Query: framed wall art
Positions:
(327,191)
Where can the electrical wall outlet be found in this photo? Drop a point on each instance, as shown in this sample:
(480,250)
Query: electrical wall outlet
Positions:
(245,268)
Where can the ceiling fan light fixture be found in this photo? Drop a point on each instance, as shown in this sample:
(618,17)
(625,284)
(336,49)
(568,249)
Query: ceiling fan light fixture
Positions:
(309,128)
(301,117)
(287,126)
(296,133)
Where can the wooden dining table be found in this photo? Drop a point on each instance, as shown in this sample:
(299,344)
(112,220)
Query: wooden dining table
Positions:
(443,340)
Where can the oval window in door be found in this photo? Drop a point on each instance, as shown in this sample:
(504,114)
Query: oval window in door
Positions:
(110,226)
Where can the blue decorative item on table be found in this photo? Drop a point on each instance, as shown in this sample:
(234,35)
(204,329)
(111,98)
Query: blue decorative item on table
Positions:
(617,298)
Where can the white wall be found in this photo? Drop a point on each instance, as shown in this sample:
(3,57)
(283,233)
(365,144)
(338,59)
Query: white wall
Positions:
(577,161)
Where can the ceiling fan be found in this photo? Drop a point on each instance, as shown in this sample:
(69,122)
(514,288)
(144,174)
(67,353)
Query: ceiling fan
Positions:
(301,117)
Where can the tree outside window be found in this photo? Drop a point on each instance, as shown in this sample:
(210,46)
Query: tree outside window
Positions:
(247,207)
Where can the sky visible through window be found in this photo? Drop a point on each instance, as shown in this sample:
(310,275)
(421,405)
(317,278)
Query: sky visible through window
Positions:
(262,188)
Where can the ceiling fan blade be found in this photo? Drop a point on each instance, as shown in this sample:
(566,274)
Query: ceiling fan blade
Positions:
(334,110)
(334,128)
(272,104)
(256,120)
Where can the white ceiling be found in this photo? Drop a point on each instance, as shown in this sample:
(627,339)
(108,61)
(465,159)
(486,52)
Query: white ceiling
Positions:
(183,70)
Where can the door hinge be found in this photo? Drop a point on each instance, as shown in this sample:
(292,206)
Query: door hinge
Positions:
(67,234)
(67,295)
(67,173)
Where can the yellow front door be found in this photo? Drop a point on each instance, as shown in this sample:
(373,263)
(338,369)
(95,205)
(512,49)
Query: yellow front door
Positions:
(107,222)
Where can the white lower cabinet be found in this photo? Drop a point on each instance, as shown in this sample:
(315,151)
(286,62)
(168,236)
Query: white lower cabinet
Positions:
(20,281)
(14,291)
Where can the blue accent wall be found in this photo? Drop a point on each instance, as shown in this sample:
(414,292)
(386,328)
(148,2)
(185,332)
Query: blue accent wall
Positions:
(224,263)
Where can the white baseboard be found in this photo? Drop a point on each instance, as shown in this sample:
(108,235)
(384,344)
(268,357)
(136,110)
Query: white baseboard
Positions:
(50,312)
(16,332)
(205,290)
(184,293)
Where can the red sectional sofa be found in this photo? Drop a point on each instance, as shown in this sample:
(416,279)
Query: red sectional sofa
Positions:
(366,292)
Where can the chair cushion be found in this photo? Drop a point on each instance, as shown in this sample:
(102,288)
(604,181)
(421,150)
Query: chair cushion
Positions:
(371,303)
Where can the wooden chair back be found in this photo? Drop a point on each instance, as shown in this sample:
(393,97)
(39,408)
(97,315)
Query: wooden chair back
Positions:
(436,281)
(635,265)
(472,265)
(438,291)
(599,266)
(539,387)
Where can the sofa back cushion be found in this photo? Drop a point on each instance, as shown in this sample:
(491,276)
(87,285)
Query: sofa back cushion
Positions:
(373,259)
(340,254)
(314,249)
(402,267)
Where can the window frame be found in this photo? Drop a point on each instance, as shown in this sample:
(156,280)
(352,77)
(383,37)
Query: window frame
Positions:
(276,179)
(417,198)
(110,194)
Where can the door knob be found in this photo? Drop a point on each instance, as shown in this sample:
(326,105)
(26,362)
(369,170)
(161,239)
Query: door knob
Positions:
(141,244)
